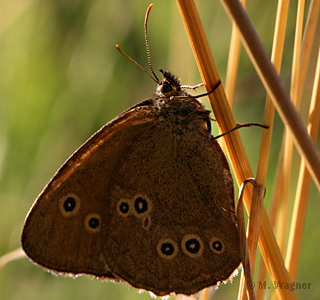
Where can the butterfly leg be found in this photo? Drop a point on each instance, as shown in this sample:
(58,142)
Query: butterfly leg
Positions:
(208,120)
(192,87)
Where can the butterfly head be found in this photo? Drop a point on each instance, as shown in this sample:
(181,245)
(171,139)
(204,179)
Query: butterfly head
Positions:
(170,85)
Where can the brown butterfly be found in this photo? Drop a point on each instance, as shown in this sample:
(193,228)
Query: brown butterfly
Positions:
(148,200)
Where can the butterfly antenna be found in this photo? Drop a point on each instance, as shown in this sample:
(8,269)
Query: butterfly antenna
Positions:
(128,57)
(147,43)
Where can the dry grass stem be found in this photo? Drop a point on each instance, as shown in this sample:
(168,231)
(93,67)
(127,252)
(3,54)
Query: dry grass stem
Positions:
(296,53)
(205,294)
(276,58)
(288,140)
(301,200)
(232,67)
(233,62)
(300,205)
(247,270)
(308,37)
(11,256)
(265,145)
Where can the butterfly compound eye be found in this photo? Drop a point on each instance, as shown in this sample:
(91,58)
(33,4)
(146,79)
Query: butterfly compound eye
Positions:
(164,88)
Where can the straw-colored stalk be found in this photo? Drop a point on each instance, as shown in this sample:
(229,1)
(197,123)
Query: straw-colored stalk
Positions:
(301,200)
(279,194)
(276,58)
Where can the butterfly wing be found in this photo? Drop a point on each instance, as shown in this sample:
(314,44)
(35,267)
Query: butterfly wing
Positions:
(140,201)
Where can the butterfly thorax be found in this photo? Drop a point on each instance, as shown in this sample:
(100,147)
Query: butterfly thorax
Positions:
(177,106)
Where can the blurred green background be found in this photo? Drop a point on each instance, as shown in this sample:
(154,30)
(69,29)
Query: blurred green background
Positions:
(61,79)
